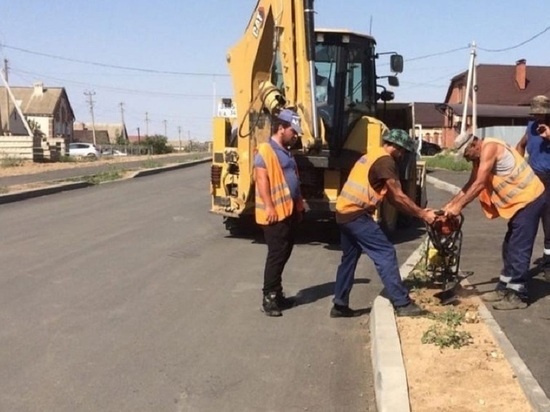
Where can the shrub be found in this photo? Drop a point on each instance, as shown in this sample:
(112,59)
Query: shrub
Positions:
(159,144)
(448,161)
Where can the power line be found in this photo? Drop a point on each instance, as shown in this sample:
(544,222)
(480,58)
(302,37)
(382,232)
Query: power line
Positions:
(517,45)
(112,66)
(437,54)
(116,89)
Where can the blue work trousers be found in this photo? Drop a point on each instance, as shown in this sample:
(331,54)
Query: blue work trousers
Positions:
(517,247)
(545,178)
(364,235)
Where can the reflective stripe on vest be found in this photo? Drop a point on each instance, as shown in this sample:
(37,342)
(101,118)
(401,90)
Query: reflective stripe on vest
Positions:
(357,193)
(279,190)
(508,194)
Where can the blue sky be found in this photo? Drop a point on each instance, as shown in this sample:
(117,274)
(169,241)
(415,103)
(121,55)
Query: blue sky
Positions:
(191,38)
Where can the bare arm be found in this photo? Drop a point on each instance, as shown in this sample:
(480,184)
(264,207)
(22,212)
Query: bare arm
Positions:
(262,181)
(520,147)
(465,188)
(401,201)
(489,154)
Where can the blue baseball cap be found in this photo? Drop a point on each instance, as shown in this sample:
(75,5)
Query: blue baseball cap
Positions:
(290,116)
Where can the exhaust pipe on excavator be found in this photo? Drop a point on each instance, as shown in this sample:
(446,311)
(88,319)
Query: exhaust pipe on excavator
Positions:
(310,54)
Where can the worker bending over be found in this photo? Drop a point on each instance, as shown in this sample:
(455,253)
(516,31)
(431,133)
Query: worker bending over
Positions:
(507,187)
(373,177)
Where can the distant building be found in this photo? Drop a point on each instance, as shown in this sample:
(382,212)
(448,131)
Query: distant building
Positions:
(47,111)
(49,107)
(420,119)
(504,93)
(106,133)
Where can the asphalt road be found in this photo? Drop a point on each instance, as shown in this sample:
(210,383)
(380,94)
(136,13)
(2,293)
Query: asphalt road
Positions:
(129,296)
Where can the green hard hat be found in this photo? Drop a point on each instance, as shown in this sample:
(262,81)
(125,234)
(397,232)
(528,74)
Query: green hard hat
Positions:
(400,138)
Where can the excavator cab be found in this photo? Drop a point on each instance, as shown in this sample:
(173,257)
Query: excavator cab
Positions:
(346,82)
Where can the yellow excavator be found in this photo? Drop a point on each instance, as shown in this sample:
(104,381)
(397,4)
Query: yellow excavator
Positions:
(327,76)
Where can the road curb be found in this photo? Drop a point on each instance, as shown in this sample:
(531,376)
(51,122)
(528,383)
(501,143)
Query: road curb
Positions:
(390,378)
(156,170)
(62,187)
(42,191)
(388,382)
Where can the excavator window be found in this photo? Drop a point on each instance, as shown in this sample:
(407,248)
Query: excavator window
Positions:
(347,62)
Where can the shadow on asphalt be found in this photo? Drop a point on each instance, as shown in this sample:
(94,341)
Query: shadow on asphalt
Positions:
(327,234)
(314,293)
(538,288)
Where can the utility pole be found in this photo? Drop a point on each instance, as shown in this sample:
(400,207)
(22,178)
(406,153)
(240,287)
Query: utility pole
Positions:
(121,112)
(89,94)
(179,135)
(121,104)
(6,75)
(139,137)
(165,131)
(146,124)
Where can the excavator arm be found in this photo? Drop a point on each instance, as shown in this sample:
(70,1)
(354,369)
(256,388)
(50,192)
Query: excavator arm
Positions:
(277,46)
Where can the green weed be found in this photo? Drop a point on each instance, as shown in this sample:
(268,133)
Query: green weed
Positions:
(444,333)
(448,161)
(150,164)
(107,176)
(446,336)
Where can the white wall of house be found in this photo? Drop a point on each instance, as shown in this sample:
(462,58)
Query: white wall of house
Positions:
(43,122)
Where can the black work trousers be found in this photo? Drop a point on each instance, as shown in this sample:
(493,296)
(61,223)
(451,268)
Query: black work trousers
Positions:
(279,238)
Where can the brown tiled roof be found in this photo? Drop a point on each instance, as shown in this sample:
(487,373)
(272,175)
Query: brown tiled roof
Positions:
(497,84)
(87,136)
(399,115)
(34,104)
(114,130)
(427,115)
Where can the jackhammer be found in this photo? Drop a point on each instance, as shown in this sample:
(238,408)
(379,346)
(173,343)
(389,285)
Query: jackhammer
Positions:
(443,254)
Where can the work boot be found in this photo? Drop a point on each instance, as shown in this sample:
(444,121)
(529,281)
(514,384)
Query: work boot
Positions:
(270,306)
(285,303)
(411,309)
(510,301)
(341,311)
(494,296)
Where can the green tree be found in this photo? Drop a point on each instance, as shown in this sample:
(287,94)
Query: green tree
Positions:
(159,144)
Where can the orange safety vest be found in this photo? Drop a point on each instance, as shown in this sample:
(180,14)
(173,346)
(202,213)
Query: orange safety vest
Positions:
(505,195)
(357,193)
(279,190)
